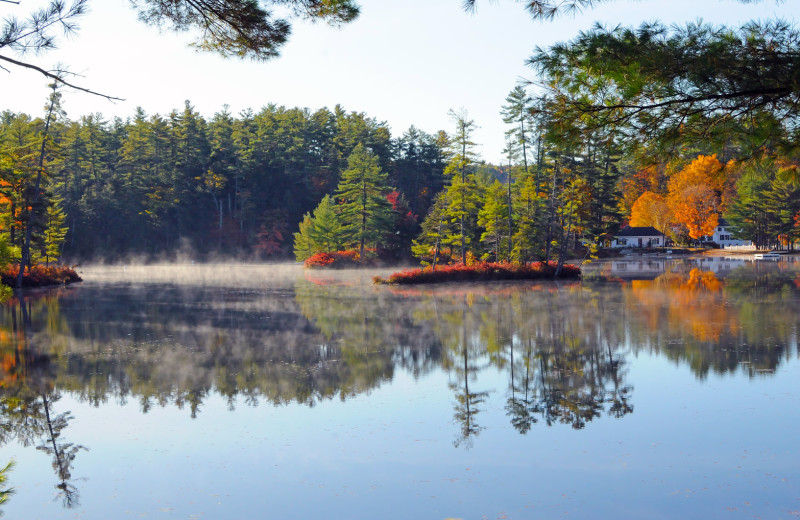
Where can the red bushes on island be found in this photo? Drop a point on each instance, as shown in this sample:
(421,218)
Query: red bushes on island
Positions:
(480,272)
(39,276)
(337,260)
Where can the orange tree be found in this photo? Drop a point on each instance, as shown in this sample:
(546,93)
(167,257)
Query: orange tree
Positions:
(694,195)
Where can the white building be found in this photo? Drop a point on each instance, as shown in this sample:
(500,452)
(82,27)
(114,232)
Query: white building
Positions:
(638,237)
(723,236)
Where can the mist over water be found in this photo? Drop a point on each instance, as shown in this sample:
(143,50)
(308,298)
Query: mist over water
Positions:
(189,389)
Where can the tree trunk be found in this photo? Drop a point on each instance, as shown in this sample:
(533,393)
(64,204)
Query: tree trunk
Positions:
(25,258)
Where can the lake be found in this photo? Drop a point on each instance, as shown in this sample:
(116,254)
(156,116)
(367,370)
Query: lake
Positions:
(653,388)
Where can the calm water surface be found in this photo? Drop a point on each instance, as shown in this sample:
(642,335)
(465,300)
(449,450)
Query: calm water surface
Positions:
(652,389)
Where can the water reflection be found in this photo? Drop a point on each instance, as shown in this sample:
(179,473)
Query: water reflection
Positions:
(562,350)
(28,397)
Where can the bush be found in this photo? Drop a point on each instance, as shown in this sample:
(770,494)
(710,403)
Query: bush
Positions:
(39,276)
(480,272)
(338,260)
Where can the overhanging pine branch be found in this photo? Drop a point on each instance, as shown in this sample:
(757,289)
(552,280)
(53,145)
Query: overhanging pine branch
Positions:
(57,78)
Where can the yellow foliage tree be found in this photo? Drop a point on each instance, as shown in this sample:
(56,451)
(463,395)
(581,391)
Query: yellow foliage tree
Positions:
(650,209)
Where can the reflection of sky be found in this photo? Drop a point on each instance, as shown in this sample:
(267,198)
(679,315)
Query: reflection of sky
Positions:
(692,449)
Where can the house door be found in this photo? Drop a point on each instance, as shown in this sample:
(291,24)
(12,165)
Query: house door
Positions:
(640,242)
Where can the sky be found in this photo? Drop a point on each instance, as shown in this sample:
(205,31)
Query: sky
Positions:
(403,63)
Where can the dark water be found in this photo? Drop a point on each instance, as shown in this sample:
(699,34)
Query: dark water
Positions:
(651,389)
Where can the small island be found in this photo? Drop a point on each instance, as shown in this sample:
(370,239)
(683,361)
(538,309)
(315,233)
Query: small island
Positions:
(481,272)
(40,275)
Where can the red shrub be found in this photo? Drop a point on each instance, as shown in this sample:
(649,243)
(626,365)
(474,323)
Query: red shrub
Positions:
(480,272)
(39,276)
(337,260)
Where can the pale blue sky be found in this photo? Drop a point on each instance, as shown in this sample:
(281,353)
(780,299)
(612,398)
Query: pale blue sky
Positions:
(404,62)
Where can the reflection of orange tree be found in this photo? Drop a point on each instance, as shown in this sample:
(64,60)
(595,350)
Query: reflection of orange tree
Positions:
(693,303)
(696,318)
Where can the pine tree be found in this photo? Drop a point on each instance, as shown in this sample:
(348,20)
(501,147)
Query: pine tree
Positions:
(493,218)
(517,112)
(529,207)
(365,211)
(430,244)
(54,233)
(321,233)
(461,195)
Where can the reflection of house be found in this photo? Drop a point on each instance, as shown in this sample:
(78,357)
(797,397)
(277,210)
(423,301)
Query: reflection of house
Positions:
(723,235)
(638,237)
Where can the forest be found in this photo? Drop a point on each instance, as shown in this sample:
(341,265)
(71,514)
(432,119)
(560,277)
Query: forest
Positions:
(669,127)
(286,182)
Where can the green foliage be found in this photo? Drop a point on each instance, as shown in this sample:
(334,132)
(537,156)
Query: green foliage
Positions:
(219,186)
(767,208)
(430,245)
(663,87)
(517,112)
(529,208)
(241,28)
(493,219)
(322,233)
(364,209)
(54,233)
(6,493)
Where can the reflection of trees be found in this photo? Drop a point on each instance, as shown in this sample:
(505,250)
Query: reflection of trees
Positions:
(463,357)
(563,362)
(5,493)
(63,453)
(745,322)
(27,391)
(176,345)
(562,348)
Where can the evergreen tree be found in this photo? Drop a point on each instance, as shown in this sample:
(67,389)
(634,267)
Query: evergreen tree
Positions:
(430,246)
(461,193)
(322,233)
(54,233)
(529,207)
(365,211)
(493,218)
(517,112)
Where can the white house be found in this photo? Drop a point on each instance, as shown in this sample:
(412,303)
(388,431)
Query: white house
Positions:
(638,237)
(723,236)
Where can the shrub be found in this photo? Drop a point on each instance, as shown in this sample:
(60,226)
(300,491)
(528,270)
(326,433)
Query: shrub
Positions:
(338,260)
(39,275)
(480,272)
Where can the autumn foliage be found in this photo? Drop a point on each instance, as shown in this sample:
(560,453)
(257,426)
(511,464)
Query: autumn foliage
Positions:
(40,275)
(480,272)
(696,208)
(337,260)
(650,209)
(694,195)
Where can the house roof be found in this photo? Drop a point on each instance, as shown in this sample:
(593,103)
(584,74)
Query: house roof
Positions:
(645,231)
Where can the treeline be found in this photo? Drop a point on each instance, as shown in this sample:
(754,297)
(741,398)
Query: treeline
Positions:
(553,198)
(289,182)
(231,185)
